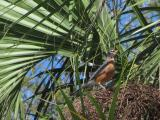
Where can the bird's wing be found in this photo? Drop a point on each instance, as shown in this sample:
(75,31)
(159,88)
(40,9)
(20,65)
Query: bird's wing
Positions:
(98,70)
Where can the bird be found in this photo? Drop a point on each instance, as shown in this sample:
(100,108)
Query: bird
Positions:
(104,73)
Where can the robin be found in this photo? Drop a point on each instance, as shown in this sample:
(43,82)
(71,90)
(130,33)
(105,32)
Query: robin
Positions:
(104,73)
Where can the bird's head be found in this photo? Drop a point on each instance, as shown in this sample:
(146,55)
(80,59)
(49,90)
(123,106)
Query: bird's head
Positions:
(111,54)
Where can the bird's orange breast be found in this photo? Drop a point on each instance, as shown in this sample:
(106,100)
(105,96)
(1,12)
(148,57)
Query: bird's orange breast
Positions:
(106,74)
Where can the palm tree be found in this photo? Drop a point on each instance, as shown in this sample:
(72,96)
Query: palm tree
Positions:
(46,45)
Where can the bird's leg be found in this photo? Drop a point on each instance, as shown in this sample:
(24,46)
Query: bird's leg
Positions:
(109,83)
(101,86)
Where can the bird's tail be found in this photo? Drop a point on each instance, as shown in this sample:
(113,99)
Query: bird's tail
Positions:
(89,84)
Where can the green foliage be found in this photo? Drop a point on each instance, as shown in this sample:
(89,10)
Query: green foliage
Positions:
(98,107)
(60,113)
(73,112)
(112,109)
(80,31)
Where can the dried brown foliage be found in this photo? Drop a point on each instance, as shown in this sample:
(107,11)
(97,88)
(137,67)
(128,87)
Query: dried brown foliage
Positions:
(134,102)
